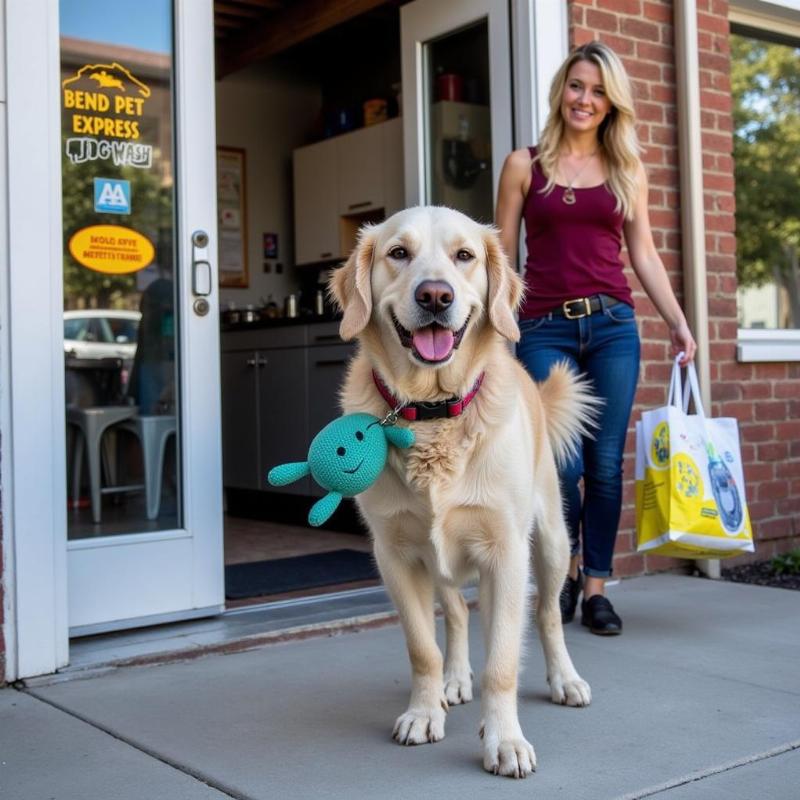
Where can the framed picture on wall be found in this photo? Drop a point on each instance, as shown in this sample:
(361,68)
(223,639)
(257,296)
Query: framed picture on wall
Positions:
(232,216)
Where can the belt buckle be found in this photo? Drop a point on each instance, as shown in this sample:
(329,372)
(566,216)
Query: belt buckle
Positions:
(585,312)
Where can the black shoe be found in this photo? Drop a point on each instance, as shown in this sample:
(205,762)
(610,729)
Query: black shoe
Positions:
(568,599)
(598,615)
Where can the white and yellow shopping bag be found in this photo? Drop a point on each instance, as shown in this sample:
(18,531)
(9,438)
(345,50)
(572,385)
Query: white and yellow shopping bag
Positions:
(690,499)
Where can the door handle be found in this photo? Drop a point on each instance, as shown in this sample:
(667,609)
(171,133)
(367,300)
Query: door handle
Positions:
(201,265)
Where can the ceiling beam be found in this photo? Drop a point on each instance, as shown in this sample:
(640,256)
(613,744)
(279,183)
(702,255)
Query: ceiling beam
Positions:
(227,22)
(235,10)
(271,5)
(284,29)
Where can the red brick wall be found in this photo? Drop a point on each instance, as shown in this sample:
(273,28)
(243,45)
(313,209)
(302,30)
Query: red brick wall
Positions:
(765,398)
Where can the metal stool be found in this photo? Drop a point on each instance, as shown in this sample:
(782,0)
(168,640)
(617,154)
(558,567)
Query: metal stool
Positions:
(153,433)
(92,424)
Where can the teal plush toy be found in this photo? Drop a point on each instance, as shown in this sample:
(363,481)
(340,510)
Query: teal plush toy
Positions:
(346,457)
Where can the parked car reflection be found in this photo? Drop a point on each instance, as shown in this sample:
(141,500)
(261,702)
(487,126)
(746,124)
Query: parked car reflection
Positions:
(101,333)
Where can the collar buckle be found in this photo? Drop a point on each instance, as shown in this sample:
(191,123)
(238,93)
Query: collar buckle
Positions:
(435,410)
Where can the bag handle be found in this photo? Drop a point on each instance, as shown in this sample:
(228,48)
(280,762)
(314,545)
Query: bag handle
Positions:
(680,392)
(674,392)
(692,388)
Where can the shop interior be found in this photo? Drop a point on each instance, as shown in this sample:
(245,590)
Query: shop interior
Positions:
(310,146)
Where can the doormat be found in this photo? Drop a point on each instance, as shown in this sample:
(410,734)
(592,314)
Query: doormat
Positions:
(301,572)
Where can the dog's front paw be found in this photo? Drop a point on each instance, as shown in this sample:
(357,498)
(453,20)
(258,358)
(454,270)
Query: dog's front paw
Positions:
(419,726)
(571,692)
(513,758)
(458,686)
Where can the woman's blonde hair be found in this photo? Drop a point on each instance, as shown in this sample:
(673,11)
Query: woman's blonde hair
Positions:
(617,135)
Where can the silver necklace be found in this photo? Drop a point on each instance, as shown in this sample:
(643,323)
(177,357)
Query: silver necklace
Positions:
(569,193)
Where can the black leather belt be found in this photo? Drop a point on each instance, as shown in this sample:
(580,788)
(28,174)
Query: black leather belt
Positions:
(584,306)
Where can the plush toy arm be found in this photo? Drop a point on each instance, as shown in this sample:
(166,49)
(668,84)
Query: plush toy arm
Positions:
(399,437)
(288,473)
(322,509)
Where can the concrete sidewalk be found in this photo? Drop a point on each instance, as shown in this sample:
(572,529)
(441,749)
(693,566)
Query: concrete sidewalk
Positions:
(700,698)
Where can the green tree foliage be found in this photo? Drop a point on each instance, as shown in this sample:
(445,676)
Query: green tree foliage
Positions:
(765,83)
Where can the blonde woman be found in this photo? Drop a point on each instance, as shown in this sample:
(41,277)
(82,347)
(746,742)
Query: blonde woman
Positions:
(581,192)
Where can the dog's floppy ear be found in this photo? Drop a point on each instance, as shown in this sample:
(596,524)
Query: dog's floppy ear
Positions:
(505,288)
(351,287)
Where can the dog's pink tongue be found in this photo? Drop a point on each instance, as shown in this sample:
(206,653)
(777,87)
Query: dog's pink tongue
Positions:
(433,343)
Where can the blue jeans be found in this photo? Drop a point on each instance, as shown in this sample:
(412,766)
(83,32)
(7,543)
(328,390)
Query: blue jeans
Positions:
(605,347)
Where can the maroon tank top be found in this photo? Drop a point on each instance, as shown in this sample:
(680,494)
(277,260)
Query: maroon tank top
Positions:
(573,251)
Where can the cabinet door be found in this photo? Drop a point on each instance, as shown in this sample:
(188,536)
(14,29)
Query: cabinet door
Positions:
(239,419)
(394,193)
(283,413)
(327,367)
(361,170)
(316,218)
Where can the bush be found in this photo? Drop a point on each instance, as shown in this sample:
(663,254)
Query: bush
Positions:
(787,563)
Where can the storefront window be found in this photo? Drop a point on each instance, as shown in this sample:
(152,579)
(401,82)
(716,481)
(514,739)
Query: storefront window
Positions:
(118,205)
(765,82)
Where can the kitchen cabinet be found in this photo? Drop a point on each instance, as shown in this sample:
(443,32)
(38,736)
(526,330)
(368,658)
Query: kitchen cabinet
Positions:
(239,410)
(264,405)
(280,386)
(282,418)
(327,367)
(344,181)
(316,204)
(360,160)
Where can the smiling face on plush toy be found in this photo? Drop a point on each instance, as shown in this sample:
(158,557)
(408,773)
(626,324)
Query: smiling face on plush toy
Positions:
(347,455)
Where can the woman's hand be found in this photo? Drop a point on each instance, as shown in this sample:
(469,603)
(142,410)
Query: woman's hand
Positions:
(683,341)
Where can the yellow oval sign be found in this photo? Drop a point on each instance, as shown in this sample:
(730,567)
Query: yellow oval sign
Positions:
(112,249)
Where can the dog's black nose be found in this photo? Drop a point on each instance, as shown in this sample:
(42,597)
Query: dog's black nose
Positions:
(434,296)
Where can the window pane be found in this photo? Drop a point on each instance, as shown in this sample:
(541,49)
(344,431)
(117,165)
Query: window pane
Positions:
(458,138)
(118,208)
(765,83)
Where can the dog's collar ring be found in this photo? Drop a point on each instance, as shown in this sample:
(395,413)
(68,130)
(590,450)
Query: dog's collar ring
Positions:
(391,417)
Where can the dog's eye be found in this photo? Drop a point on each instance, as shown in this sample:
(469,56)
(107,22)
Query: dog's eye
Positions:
(464,255)
(359,436)
(398,253)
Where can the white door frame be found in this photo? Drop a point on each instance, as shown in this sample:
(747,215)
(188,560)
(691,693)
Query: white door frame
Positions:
(31,338)
(34,477)
(539,43)
(422,21)
(540,31)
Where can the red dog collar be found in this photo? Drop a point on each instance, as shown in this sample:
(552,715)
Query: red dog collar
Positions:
(416,412)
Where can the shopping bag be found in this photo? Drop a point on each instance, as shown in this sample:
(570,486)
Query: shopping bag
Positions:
(690,500)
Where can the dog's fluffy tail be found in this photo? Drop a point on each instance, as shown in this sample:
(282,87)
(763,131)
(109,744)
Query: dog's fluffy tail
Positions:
(571,407)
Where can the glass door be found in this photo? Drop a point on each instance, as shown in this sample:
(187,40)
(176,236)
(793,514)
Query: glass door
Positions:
(141,350)
(456,102)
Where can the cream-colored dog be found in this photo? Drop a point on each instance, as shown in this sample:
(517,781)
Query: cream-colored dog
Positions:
(431,298)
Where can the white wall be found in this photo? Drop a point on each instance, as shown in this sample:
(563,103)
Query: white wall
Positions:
(268,111)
